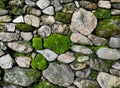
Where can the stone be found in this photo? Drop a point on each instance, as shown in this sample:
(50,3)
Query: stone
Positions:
(66,57)
(87,22)
(5,18)
(60,28)
(82,59)
(116,65)
(27,36)
(49,10)
(115,5)
(23,61)
(56,4)
(11,86)
(115,72)
(10,27)
(20,76)
(42,4)
(16,2)
(18,19)
(32,20)
(3,46)
(59,74)
(85,83)
(106,80)
(68,8)
(48,54)
(1,52)
(104,4)
(115,12)
(30,2)
(44,31)
(115,1)
(34,11)
(20,46)
(65,1)
(108,53)
(97,40)
(6,61)
(77,4)
(80,39)
(81,49)
(7,37)
(17,11)
(3,12)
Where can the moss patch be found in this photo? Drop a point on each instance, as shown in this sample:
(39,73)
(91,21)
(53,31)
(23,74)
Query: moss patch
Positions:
(63,17)
(34,73)
(2,27)
(109,63)
(2,5)
(39,62)
(93,74)
(58,43)
(24,27)
(16,11)
(37,43)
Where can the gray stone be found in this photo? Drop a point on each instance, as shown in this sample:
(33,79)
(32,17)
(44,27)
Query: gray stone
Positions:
(18,19)
(66,57)
(80,39)
(32,20)
(34,11)
(49,10)
(3,46)
(1,52)
(30,2)
(61,74)
(82,59)
(104,4)
(6,61)
(108,53)
(86,22)
(23,61)
(115,72)
(115,41)
(77,4)
(16,2)
(81,49)
(106,80)
(115,5)
(56,4)
(68,8)
(27,36)
(20,76)
(48,54)
(20,46)
(97,40)
(11,86)
(3,11)
(6,37)
(42,4)
(10,27)
(5,18)
(115,12)
(115,1)
(116,65)
(65,1)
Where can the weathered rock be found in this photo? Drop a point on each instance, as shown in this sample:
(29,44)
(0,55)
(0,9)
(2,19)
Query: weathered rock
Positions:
(116,65)
(104,4)
(11,86)
(20,46)
(80,39)
(19,19)
(65,1)
(6,61)
(30,2)
(108,53)
(106,80)
(77,4)
(56,4)
(42,4)
(32,20)
(10,27)
(67,57)
(3,12)
(82,59)
(6,37)
(48,54)
(115,1)
(3,46)
(23,61)
(16,2)
(68,8)
(97,40)
(27,36)
(116,6)
(49,10)
(20,76)
(61,74)
(115,72)
(34,11)
(81,49)
(86,22)
(5,18)
(1,52)
(115,12)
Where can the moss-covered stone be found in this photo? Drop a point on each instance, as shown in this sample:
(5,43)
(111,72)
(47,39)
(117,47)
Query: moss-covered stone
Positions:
(93,74)
(63,17)
(39,62)
(2,5)
(2,27)
(37,43)
(33,73)
(109,63)
(24,27)
(16,11)
(108,27)
(101,13)
(68,8)
(58,43)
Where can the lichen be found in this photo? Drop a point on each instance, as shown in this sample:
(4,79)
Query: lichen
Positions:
(58,43)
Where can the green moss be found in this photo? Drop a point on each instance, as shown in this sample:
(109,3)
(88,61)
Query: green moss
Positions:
(102,13)
(37,43)
(63,17)
(108,27)
(24,27)
(58,43)
(95,48)
(2,5)
(16,11)
(68,8)
(39,62)
(2,27)
(93,74)
(34,73)
(109,63)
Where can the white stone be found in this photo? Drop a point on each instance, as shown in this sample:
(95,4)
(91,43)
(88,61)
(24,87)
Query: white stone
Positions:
(42,4)
(104,4)
(18,19)
(48,54)
(10,27)
(26,36)
(82,58)
(5,18)
(49,10)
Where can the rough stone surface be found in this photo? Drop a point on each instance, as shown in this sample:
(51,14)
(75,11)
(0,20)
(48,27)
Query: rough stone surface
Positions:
(83,21)
(59,74)
(3,12)
(42,4)
(49,10)
(26,36)
(78,66)
(115,72)
(116,65)
(82,58)
(104,4)
(19,19)
(5,18)
(56,4)
(115,12)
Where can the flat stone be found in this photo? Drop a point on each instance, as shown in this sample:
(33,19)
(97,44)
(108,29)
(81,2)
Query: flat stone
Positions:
(113,1)
(59,74)
(80,39)
(106,80)
(11,86)
(104,4)
(115,5)
(65,1)
(20,46)
(49,10)
(23,61)
(115,72)
(44,31)
(56,4)
(48,54)
(3,46)
(18,19)
(30,2)
(108,53)
(67,57)
(32,20)
(81,49)
(20,76)
(86,22)
(116,65)
(82,59)
(27,36)
(42,4)
(35,11)
(6,37)
(6,61)
(10,27)
(115,12)
(97,40)
(5,18)
(1,52)
(3,11)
